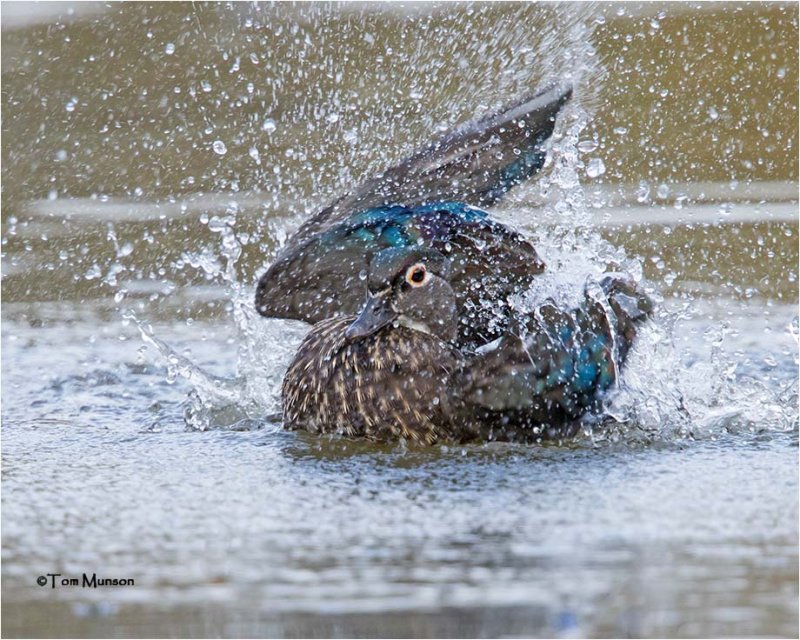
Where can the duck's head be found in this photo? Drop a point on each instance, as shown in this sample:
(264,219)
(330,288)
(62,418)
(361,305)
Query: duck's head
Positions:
(408,287)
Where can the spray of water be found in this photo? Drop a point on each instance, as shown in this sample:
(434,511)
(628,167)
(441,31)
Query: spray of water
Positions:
(660,397)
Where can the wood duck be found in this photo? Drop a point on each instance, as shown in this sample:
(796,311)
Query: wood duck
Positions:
(393,371)
(430,200)
(437,352)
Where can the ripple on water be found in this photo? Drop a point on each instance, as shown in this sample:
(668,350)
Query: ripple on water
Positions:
(615,534)
(681,518)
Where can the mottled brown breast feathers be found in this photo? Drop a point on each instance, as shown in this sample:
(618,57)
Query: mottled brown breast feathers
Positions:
(393,384)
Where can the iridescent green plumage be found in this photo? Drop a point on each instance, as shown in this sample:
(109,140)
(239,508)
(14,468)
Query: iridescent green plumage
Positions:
(426,200)
(436,353)
(546,372)
(323,276)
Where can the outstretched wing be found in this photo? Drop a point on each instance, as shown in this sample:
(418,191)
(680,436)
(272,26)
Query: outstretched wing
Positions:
(477,163)
(325,274)
(315,275)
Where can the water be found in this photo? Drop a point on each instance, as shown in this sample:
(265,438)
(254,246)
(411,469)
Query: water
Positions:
(259,531)
(140,389)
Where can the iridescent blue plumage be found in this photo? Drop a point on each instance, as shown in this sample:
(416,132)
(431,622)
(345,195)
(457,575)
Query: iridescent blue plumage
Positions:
(436,351)
(477,163)
(321,276)
(517,172)
(425,200)
(555,365)
(393,371)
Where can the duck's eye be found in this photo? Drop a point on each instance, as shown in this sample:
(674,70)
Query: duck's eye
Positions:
(417,275)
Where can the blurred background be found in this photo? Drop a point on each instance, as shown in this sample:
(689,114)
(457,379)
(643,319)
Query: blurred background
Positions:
(142,114)
(155,155)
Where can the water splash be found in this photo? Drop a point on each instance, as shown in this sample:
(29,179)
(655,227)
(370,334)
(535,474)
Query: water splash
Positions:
(661,396)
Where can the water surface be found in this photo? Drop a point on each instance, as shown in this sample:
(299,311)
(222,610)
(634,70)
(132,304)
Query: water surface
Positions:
(679,520)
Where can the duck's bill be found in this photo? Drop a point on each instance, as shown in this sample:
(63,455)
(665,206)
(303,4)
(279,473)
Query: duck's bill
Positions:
(373,317)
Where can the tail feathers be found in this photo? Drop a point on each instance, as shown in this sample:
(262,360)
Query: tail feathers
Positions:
(559,364)
(476,163)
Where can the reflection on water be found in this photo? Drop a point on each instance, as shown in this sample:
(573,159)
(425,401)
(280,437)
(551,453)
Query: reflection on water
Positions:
(153,158)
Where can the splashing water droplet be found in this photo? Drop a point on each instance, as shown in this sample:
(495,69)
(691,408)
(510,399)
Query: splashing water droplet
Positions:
(595,168)
(169,49)
(269,125)
(643,192)
(125,250)
(770,361)
(93,272)
(219,147)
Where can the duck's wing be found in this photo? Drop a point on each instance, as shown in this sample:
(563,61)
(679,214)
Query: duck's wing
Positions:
(324,275)
(557,365)
(312,277)
(476,163)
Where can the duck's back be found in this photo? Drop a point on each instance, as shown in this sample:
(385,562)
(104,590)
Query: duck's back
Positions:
(393,384)
(322,276)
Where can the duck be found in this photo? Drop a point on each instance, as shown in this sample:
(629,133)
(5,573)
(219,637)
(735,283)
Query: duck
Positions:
(435,199)
(394,371)
(408,282)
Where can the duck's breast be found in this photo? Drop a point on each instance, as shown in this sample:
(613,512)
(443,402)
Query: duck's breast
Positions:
(393,384)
